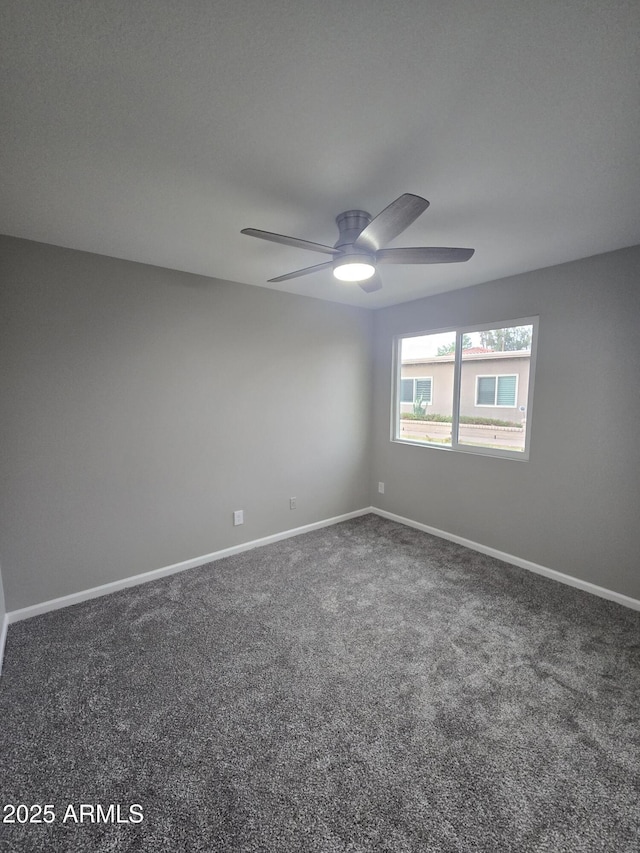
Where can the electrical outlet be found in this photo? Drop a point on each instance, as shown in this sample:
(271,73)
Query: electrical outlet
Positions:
(293,503)
(238,517)
(381,488)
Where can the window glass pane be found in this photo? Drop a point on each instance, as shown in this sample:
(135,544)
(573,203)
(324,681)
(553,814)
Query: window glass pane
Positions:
(494,383)
(427,363)
(406,391)
(423,389)
(506,390)
(486,391)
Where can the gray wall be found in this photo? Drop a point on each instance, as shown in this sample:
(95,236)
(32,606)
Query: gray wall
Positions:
(141,406)
(574,506)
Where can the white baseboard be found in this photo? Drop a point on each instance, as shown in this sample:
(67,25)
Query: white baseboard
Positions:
(145,577)
(154,574)
(569,580)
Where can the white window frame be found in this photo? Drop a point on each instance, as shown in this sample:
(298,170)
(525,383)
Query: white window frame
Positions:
(496,405)
(456,446)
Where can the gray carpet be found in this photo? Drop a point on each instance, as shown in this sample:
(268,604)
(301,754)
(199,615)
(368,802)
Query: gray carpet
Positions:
(365,687)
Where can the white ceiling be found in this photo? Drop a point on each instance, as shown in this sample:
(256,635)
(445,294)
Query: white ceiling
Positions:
(155,130)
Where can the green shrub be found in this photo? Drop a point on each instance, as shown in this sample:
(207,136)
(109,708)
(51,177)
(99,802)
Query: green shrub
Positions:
(432,416)
(464,419)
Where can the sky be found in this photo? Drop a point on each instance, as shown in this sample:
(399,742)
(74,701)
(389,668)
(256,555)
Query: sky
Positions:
(428,345)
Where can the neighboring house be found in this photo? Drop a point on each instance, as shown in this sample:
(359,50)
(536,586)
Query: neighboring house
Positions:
(494,384)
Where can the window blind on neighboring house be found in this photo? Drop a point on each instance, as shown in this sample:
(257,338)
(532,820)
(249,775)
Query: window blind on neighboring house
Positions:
(423,389)
(406,391)
(486,391)
(506,395)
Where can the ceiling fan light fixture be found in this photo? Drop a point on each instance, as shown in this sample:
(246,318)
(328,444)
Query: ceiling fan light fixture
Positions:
(353,267)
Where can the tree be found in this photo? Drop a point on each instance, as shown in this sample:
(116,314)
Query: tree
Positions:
(447,349)
(507,340)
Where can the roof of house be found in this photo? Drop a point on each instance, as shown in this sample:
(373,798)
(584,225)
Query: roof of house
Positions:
(471,354)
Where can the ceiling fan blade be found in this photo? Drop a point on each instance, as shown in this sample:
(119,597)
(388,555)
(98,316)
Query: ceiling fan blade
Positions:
(391,222)
(423,255)
(305,271)
(371,284)
(289,241)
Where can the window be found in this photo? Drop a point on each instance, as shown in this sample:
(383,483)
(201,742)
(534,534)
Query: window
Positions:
(497,390)
(467,389)
(416,390)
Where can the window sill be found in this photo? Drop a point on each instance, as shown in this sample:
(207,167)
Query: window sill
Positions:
(518,455)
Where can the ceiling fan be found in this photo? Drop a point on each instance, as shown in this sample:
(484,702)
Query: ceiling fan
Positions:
(361,244)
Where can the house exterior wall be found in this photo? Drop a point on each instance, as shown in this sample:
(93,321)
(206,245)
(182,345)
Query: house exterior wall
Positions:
(441,372)
(442,385)
(494,367)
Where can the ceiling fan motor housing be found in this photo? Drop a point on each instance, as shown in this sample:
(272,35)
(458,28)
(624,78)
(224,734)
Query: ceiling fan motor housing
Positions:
(350,225)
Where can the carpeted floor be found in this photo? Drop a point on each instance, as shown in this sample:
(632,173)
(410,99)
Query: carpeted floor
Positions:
(364,687)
